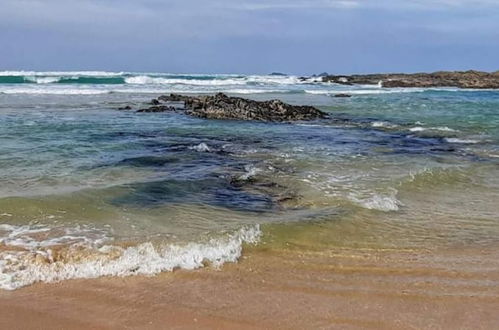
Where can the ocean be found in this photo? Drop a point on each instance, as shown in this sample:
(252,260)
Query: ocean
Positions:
(87,190)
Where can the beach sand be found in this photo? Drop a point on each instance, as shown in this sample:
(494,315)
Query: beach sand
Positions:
(340,288)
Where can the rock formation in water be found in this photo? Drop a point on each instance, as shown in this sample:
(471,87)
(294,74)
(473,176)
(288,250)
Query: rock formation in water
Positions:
(221,106)
(460,79)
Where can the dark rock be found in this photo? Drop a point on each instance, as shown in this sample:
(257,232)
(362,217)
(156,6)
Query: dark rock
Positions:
(221,106)
(278,74)
(342,95)
(127,107)
(155,102)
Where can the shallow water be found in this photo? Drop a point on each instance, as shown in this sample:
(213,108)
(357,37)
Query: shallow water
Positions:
(87,190)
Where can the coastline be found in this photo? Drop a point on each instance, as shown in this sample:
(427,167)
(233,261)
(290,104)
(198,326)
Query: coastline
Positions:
(272,288)
(461,79)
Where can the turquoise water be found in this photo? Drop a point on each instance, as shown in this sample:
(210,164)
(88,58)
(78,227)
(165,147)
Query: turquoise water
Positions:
(87,190)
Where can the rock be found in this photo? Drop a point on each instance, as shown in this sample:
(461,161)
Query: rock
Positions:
(221,106)
(342,95)
(127,107)
(158,108)
(460,79)
(155,102)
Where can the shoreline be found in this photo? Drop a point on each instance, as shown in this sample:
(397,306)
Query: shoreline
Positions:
(339,288)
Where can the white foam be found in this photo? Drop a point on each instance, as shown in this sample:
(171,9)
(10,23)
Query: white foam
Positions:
(383,124)
(439,128)
(202,147)
(217,81)
(29,237)
(143,80)
(43,80)
(462,141)
(21,269)
(251,171)
(444,128)
(280,80)
(365,91)
(254,91)
(381,202)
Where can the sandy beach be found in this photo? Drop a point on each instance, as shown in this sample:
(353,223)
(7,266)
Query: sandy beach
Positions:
(249,164)
(339,289)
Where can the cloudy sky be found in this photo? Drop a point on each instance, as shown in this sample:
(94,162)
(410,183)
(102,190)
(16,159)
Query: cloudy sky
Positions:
(249,36)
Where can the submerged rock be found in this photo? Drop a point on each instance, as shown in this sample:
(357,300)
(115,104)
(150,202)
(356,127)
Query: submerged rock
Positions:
(221,106)
(342,95)
(158,108)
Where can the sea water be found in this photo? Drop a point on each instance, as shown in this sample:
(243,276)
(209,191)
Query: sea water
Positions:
(87,190)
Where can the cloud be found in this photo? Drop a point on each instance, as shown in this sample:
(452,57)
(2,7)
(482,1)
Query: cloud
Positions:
(253,34)
(108,12)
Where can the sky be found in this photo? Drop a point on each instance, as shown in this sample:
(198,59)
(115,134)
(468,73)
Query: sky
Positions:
(250,36)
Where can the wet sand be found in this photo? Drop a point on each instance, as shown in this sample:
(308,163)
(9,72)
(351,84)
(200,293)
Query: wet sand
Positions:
(340,288)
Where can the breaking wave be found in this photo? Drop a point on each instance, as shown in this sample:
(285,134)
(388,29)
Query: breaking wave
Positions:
(26,260)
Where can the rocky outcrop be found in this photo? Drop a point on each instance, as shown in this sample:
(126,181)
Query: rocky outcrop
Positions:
(221,106)
(460,79)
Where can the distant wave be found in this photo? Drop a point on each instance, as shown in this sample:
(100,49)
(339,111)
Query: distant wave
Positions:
(87,90)
(98,77)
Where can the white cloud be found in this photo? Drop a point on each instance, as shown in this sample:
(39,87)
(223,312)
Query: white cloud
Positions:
(297,4)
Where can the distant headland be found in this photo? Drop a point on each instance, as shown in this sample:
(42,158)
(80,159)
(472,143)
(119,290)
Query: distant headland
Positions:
(460,79)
